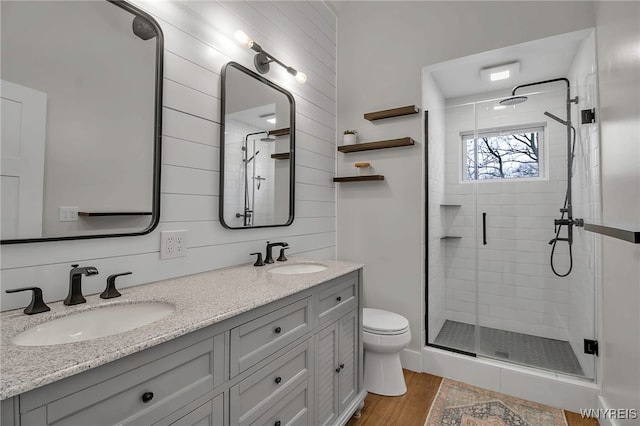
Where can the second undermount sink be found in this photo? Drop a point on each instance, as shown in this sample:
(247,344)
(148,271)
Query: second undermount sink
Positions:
(94,323)
(298,268)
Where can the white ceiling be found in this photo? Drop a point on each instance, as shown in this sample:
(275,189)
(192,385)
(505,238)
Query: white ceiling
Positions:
(539,60)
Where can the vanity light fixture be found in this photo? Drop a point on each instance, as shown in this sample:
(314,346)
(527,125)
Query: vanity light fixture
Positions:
(263,59)
(500,72)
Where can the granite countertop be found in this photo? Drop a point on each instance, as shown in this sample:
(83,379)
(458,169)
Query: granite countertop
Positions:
(200,300)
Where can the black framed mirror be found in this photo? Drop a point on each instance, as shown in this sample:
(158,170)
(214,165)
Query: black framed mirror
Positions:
(81,120)
(257,151)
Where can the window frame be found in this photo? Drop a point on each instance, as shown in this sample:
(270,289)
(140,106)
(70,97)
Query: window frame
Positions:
(543,160)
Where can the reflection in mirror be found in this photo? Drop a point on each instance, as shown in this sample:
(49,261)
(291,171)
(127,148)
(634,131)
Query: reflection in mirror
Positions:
(256,151)
(81,103)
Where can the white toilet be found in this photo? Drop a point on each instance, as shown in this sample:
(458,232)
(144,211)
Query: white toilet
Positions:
(385,335)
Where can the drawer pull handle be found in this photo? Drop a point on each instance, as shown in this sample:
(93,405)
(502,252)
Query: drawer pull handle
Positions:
(277,330)
(278,380)
(278,423)
(339,298)
(147,396)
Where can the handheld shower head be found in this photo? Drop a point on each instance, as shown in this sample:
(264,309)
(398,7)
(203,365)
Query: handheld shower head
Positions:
(252,157)
(558,119)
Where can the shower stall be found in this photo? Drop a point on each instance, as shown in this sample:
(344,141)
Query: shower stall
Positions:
(253,174)
(511,275)
(250,171)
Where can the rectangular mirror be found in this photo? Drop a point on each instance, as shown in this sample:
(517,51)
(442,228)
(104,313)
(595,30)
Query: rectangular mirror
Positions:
(256,151)
(81,117)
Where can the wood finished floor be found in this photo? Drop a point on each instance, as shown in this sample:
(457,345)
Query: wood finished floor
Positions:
(412,408)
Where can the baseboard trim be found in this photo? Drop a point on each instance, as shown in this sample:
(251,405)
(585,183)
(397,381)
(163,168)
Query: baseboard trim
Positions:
(603,404)
(411,360)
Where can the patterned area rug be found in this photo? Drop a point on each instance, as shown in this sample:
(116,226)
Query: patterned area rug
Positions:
(459,404)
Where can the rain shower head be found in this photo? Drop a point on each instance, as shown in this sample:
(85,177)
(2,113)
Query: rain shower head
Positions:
(514,100)
(268,139)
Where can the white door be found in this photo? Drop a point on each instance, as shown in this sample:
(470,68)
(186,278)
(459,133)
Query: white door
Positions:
(22,139)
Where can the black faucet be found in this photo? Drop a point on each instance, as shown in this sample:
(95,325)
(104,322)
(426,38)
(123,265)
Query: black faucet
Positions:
(270,246)
(75,284)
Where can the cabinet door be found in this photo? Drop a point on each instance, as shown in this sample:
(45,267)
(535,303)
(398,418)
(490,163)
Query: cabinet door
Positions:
(209,414)
(347,359)
(7,412)
(326,395)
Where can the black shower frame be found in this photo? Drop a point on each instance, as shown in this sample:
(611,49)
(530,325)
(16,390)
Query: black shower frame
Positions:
(426,246)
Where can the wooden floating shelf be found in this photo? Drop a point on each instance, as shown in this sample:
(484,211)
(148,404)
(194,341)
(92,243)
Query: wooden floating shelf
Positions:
(450,205)
(358,178)
(389,113)
(368,146)
(281,156)
(93,214)
(450,237)
(628,235)
(280,132)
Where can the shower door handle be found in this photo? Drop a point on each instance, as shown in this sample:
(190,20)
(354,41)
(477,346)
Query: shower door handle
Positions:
(484,228)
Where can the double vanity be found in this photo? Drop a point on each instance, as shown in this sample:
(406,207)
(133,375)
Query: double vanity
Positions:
(266,345)
(272,345)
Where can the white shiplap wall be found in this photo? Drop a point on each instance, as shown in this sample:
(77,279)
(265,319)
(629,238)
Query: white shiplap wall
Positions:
(198,42)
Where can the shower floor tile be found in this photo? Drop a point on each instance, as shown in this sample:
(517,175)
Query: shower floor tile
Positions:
(550,354)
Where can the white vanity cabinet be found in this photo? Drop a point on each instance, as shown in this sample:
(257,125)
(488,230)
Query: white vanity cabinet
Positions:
(297,360)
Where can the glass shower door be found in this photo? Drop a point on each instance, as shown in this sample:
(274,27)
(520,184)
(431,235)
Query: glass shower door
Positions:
(526,314)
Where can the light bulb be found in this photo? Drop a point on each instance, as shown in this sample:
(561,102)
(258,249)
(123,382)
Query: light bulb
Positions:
(301,77)
(243,39)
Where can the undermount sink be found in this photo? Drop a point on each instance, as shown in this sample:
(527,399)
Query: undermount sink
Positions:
(298,268)
(94,323)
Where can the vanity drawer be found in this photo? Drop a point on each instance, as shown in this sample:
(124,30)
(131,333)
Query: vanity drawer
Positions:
(338,299)
(293,409)
(210,414)
(185,375)
(257,339)
(253,396)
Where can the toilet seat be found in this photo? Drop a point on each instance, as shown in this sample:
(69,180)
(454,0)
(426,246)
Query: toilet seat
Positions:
(377,321)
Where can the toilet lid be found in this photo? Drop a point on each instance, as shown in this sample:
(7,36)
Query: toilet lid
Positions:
(384,322)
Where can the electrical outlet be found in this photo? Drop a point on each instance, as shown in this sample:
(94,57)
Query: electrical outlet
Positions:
(68,214)
(173,244)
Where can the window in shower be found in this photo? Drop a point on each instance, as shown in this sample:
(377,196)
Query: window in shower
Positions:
(510,153)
